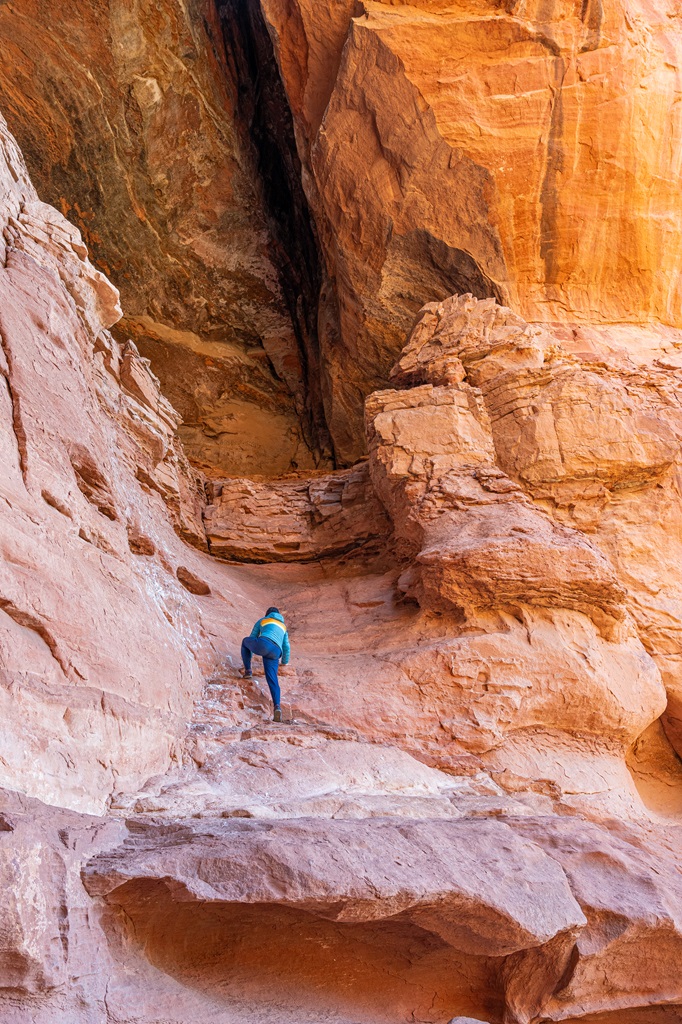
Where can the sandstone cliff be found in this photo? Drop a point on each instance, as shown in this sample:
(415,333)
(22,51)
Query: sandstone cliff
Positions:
(512,150)
(471,811)
(128,117)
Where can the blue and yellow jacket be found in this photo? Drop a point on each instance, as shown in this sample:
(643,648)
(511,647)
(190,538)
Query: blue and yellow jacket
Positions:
(272,628)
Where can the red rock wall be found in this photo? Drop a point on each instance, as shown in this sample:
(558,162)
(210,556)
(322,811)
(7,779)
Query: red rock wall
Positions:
(518,151)
(471,808)
(100,642)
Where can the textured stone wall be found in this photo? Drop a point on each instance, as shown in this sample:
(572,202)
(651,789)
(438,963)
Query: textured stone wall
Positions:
(127,116)
(470,810)
(101,646)
(520,151)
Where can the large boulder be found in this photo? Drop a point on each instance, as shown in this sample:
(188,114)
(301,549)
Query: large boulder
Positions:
(589,428)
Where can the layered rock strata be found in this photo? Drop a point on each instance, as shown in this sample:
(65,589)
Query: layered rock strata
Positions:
(100,644)
(478,545)
(522,901)
(293,520)
(592,437)
(516,918)
(471,809)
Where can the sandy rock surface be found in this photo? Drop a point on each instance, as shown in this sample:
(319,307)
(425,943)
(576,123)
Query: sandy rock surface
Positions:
(244,917)
(295,520)
(100,643)
(340,871)
(594,440)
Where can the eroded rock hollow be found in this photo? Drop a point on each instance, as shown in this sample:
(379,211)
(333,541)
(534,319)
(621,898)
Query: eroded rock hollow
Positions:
(369,311)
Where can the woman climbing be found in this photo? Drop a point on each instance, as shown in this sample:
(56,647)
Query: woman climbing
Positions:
(270,641)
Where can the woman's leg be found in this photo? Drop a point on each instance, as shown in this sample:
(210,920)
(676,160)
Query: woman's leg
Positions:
(246,655)
(270,666)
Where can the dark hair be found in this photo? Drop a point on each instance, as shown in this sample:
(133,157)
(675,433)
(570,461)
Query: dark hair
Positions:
(272,611)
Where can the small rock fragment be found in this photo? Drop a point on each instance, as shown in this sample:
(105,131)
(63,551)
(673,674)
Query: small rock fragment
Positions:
(191,582)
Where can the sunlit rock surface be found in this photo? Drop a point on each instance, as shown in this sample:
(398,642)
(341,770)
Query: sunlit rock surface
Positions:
(507,150)
(592,436)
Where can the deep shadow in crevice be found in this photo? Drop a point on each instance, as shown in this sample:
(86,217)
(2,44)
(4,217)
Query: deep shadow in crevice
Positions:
(656,771)
(420,268)
(258,960)
(434,270)
(268,131)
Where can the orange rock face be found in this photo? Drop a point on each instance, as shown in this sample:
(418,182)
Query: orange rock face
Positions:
(471,809)
(593,440)
(294,520)
(504,150)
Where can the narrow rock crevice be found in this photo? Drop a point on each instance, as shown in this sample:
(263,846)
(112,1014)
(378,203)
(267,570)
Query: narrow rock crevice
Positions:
(17,420)
(267,127)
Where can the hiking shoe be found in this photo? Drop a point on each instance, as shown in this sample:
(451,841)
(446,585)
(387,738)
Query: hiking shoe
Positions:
(245,674)
(277,717)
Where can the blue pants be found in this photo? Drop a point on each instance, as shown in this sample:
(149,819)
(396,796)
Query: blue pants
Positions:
(270,653)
